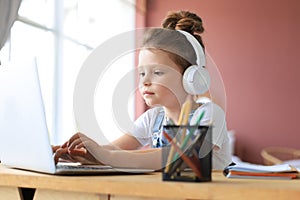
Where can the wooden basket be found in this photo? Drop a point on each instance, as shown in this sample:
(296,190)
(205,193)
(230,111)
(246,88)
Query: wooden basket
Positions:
(278,155)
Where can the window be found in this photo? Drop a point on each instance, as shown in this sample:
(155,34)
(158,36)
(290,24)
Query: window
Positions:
(61,34)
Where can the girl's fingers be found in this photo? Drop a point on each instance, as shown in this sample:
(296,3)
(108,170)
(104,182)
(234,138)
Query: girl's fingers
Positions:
(64,145)
(74,150)
(75,144)
(72,139)
(78,152)
(69,155)
(74,155)
(54,148)
(58,153)
(78,142)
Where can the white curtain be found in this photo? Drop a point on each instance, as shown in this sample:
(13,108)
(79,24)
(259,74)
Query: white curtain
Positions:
(8,15)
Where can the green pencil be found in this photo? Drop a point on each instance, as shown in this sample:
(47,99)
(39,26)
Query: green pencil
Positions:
(188,137)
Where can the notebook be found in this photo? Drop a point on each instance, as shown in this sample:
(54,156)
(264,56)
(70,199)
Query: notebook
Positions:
(24,138)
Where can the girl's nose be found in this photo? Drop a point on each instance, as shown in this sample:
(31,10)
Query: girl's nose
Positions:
(146,80)
(147,83)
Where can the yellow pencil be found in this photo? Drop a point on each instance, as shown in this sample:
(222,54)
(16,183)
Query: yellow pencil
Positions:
(183,120)
(186,109)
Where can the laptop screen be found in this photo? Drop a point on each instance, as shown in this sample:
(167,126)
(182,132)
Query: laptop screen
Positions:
(24,142)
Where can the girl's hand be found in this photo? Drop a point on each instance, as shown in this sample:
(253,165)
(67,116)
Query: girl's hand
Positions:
(54,148)
(76,150)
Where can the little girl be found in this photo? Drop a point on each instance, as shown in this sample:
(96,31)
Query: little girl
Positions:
(169,61)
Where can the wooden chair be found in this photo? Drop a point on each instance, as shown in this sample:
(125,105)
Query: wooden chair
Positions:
(277,155)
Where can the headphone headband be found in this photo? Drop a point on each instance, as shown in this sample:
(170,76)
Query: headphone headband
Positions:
(196,79)
(201,61)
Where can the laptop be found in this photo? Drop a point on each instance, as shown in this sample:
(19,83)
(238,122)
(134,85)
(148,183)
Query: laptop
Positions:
(24,138)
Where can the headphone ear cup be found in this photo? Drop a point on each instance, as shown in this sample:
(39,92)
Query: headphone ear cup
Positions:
(196,80)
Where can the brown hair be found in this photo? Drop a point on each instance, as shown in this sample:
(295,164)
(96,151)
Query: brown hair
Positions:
(173,42)
(186,21)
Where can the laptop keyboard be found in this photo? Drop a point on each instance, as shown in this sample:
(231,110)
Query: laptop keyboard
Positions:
(81,167)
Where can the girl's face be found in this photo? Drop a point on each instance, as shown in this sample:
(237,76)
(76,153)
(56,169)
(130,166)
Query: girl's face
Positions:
(160,79)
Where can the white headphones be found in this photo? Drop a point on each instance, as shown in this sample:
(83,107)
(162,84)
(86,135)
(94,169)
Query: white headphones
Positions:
(196,79)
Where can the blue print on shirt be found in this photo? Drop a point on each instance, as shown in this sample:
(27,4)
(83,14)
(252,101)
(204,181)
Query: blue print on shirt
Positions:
(158,139)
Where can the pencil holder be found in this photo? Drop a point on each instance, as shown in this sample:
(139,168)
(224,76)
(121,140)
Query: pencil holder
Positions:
(188,156)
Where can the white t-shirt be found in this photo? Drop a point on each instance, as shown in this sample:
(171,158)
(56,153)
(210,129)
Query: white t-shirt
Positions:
(143,130)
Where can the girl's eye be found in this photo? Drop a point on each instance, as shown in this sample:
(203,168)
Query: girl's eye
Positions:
(141,74)
(159,73)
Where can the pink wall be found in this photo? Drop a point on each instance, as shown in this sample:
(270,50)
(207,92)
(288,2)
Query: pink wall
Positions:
(256,47)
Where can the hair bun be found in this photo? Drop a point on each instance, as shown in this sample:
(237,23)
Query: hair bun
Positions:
(183,20)
(186,21)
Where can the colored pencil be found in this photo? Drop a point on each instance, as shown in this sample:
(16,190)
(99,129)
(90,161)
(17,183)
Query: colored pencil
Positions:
(188,137)
(183,120)
(185,158)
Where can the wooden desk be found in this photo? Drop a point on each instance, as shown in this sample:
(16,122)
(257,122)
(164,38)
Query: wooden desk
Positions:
(137,187)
